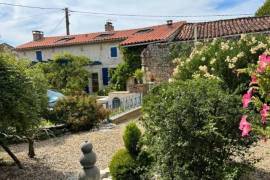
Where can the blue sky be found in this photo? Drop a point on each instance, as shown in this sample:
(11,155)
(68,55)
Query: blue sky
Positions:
(17,23)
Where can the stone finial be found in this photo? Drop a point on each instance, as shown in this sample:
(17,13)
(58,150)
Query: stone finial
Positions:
(88,160)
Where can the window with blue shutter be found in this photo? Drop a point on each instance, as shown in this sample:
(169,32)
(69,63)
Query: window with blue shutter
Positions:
(39,55)
(105,76)
(113,51)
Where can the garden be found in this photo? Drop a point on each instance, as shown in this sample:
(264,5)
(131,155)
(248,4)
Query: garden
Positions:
(210,121)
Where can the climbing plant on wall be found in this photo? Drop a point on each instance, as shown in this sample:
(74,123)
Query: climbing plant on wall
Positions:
(126,69)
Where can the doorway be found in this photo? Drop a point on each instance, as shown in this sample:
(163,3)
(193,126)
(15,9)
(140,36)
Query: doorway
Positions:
(95,84)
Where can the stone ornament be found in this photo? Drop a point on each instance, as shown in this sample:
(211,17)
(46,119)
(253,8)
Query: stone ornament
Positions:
(88,160)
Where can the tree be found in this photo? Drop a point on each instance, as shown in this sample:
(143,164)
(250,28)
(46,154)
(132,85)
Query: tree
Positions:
(264,10)
(67,73)
(22,101)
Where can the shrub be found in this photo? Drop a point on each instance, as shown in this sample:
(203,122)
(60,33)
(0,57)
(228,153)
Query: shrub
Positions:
(79,112)
(131,138)
(222,59)
(122,166)
(191,128)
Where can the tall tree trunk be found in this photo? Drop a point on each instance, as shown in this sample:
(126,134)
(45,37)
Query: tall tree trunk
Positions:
(31,150)
(16,160)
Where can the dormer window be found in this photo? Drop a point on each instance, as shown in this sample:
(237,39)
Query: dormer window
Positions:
(141,31)
(103,35)
(65,39)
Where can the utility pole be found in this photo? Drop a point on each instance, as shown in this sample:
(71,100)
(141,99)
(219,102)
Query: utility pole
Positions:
(67,21)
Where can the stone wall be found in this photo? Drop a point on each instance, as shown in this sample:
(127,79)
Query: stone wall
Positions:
(156,63)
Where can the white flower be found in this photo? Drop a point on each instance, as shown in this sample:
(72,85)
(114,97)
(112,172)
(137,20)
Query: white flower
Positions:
(243,36)
(224,46)
(213,61)
(231,66)
(234,59)
(171,80)
(203,58)
(240,55)
(196,75)
(212,69)
(228,59)
(203,68)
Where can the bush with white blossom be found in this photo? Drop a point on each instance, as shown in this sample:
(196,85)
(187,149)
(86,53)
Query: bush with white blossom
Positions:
(221,59)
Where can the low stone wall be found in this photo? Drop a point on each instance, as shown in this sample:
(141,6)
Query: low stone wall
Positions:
(126,116)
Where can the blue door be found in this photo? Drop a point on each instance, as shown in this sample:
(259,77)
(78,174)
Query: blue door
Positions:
(39,55)
(105,76)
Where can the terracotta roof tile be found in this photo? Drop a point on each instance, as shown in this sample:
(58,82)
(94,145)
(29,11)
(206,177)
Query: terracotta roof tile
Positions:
(222,28)
(127,37)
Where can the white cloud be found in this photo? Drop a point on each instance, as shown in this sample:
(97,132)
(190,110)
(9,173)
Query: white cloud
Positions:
(15,27)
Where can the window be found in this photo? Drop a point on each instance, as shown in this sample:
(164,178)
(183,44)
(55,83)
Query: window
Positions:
(105,76)
(113,51)
(143,31)
(39,55)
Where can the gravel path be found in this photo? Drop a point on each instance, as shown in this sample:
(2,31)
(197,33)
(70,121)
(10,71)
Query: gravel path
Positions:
(58,158)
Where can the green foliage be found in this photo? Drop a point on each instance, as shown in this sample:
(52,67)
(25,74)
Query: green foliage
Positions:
(134,161)
(132,61)
(139,75)
(23,96)
(122,166)
(191,128)
(264,10)
(131,138)
(223,60)
(79,112)
(67,73)
(182,50)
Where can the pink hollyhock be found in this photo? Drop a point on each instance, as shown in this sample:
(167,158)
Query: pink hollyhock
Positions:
(253,79)
(264,112)
(264,61)
(242,122)
(246,98)
(244,126)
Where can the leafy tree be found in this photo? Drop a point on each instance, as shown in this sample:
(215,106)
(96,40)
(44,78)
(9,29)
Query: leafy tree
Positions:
(132,62)
(67,73)
(191,128)
(22,101)
(264,10)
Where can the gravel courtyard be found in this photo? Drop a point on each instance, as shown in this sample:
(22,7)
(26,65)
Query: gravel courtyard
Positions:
(58,158)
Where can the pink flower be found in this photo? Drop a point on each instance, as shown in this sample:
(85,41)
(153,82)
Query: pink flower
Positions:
(242,122)
(264,112)
(246,98)
(253,79)
(264,61)
(244,126)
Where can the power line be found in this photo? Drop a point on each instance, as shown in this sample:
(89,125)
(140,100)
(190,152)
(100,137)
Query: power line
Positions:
(32,16)
(157,16)
(127,15)
(32,7)
(57,25)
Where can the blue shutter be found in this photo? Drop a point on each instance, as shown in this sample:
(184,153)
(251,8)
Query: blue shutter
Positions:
(114,52)
(105,76)
(39,55)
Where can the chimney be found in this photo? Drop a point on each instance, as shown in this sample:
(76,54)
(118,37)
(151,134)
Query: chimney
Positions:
(169,22)
(37,35)
(109,26)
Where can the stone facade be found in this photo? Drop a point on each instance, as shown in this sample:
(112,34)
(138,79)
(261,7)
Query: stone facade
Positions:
(156,63)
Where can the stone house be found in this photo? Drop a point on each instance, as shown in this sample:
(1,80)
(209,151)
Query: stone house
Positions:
(102,48)
(157,63)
